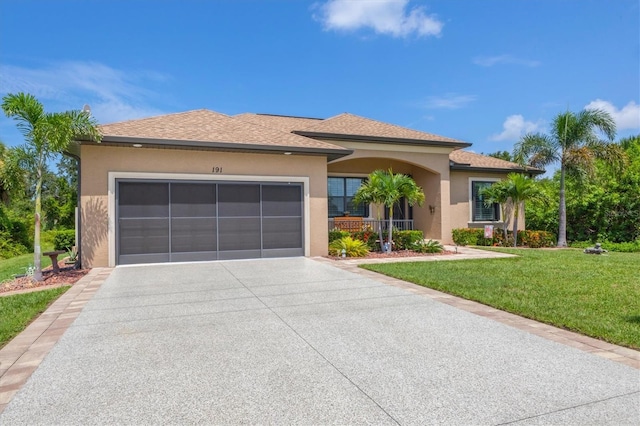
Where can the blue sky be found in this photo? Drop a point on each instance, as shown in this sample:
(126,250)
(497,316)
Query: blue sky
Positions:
(485,72)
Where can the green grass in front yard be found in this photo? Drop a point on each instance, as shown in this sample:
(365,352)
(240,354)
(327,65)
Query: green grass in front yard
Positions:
(17,311)
(598,296)
(19,264)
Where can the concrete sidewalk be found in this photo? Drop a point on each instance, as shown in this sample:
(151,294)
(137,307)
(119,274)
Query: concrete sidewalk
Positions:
(297,341)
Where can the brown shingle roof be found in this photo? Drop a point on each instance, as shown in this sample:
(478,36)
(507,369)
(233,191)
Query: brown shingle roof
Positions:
(286,123)
(209,126)
(353,125)
(463,159)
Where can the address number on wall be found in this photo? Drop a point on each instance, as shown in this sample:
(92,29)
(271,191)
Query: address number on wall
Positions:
(216,169)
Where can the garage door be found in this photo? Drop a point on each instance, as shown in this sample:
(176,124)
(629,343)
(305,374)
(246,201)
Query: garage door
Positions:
(177,221)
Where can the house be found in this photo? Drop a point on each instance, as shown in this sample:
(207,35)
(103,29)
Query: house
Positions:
(201,185)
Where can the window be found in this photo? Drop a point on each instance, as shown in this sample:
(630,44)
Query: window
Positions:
(480,211)
(340,197)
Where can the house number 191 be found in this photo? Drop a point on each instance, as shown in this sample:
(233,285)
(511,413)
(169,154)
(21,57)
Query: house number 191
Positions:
(216,169)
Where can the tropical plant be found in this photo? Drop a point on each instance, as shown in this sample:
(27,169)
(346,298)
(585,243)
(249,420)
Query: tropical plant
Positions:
(520,189)
(430,246)
(574,143)
(387,188)
(45,135)
(351,247)
(370,192)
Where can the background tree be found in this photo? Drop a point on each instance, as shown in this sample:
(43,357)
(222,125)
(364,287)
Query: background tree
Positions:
(45,135)
(574,143)
(503,155)
(390,188)
(59,195)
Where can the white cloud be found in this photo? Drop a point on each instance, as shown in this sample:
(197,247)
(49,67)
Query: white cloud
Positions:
(113,95)
(391,17)
(489,61)
(449,101)
(515,127)
(626,118)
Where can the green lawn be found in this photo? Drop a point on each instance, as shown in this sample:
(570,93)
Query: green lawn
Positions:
(18,265)
(17,311)
(598,296)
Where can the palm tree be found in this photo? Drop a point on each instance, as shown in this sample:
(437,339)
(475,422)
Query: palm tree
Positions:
(520,189)
(387,188)
(370,192)
(45,135)
(574,143)
(498,193)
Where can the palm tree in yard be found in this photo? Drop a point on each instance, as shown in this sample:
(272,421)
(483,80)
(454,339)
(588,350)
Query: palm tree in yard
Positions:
(520,189)
(573,142)
(370,192)
(498,193)
(46,134)
(387,188)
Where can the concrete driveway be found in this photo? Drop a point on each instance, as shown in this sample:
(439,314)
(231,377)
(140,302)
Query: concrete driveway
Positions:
(296,341)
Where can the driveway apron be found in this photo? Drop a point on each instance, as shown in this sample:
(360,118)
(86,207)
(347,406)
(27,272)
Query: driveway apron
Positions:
(296,341)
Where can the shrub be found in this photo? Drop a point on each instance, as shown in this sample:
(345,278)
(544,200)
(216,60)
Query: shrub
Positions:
(10,248)
(336,234)
(467,236)
(64,240)
(352,248)
(628,247)
(536,239)
(475,237)
(430,246)
(406,240)
(369,237)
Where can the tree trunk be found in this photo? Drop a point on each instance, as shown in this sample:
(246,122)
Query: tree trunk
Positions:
(515,224)
(390,238)
(37,251)
(562,216)
(380,235)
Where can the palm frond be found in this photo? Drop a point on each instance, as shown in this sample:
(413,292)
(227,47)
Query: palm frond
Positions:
(536,149)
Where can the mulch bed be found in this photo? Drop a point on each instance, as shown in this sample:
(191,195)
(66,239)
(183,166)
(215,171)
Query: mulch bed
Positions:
(393,255)
(66,276)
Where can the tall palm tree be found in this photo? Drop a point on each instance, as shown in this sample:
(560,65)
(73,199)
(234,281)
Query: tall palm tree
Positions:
(45,135)
(387,188)
(574,143)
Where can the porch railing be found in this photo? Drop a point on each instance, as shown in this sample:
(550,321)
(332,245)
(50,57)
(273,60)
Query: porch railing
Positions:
(366,223)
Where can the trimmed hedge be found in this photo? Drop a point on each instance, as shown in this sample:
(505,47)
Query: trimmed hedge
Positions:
(403,240)
(475,237)
(64,239)
(627,247)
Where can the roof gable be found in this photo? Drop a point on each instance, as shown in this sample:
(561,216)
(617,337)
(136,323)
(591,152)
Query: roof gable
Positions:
(470,160)
(353,125)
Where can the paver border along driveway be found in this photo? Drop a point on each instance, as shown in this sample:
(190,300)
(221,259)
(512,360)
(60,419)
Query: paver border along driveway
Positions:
(296,341)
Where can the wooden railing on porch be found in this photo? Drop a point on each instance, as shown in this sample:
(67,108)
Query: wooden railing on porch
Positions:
(354,224)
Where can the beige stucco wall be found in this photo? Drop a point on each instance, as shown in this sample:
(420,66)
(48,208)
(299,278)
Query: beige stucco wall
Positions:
(428,166)
(98,160)
(460,195)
